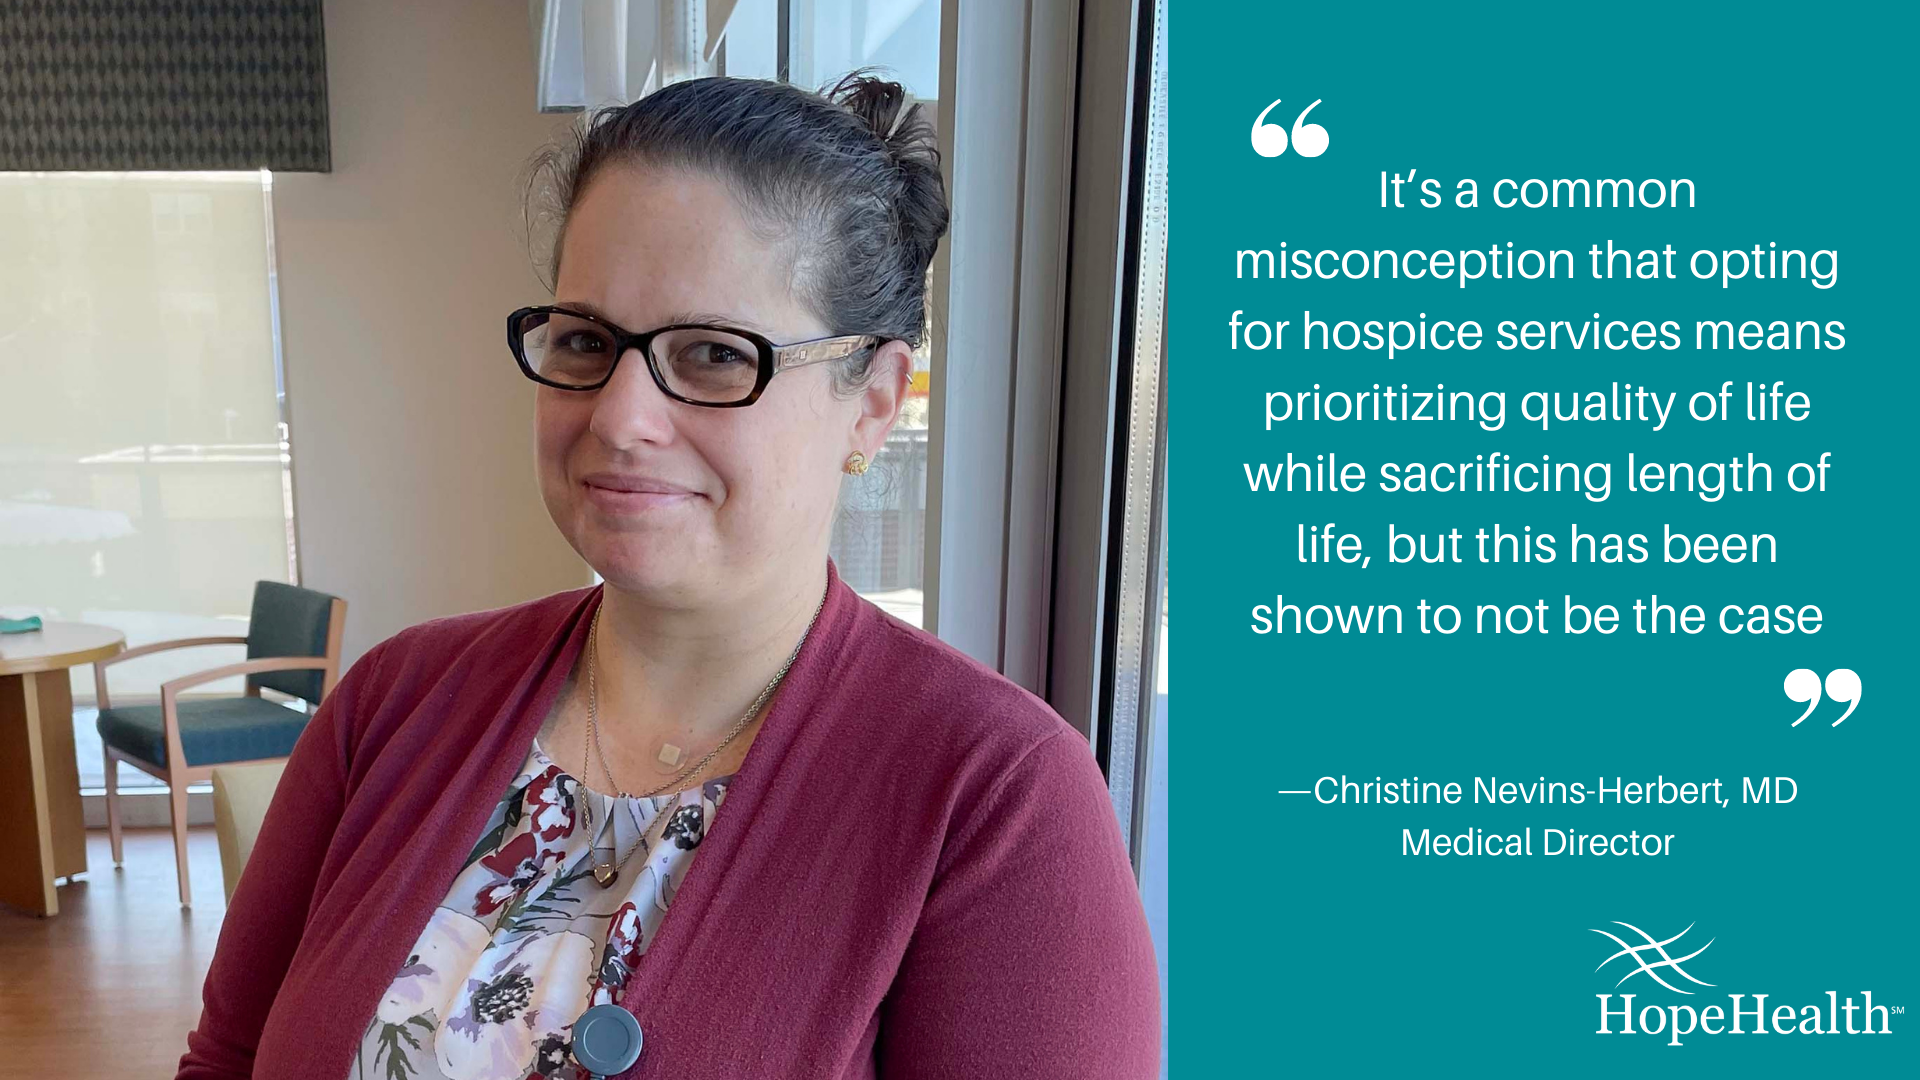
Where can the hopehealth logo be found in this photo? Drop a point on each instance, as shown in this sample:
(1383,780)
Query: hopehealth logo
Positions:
(1650,957)
(1658,948)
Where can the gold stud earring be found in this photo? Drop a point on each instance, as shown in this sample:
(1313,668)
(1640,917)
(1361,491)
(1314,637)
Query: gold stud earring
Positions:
(856,464)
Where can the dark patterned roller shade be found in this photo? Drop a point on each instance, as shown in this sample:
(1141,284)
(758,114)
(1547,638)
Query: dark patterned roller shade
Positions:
(163,84)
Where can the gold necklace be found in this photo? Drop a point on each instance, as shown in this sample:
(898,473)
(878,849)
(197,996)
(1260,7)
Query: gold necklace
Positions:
(606,873)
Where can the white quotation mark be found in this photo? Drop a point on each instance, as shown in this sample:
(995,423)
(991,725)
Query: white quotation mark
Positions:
(1842,685)
(1270,140)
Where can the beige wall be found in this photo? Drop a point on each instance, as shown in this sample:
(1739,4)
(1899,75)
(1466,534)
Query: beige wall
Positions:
(414,493)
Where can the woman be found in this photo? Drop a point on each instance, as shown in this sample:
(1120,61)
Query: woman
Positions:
(906,864)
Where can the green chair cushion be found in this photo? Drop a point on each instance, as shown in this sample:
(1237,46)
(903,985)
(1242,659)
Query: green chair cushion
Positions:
(213,731)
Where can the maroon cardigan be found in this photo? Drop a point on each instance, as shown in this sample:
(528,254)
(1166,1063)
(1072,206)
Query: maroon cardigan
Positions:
(917,872)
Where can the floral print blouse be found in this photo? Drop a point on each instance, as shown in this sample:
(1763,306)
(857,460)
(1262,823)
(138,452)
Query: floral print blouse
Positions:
(526,940)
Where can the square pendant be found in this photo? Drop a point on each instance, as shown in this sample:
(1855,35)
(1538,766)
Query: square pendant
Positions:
(670,755)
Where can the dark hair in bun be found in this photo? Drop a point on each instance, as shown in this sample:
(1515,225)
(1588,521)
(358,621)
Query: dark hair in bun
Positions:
(847,181)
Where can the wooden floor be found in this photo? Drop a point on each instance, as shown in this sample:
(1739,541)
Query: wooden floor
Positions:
(109,987)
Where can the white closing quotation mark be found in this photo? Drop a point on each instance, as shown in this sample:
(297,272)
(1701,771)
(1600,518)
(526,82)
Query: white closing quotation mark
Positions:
(1270,140)
(1842,685)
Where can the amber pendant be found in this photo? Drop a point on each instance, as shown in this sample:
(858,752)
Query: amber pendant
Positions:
(605,873)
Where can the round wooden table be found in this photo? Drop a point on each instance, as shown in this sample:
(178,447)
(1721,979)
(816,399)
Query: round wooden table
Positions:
(42,832)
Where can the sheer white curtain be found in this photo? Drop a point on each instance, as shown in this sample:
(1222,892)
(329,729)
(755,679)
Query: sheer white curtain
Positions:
(143,465)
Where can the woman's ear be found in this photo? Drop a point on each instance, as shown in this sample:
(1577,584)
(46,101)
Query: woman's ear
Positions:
(880,403)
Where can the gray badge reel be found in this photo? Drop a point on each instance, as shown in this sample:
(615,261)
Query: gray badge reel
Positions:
(606,1041)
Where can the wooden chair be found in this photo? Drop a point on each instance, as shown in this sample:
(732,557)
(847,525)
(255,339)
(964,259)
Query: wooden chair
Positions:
(241,796)
(293,647)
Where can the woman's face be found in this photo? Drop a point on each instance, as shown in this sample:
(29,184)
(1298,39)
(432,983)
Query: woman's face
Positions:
(688,504)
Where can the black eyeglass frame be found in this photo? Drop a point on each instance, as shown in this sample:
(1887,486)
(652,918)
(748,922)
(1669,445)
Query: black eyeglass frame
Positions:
(773,359)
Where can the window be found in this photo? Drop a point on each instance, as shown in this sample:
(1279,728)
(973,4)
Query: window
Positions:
(144,462)
(832,37)
(751,49)
(879,539)
(1153,839)
(1152,827)
(1135,732)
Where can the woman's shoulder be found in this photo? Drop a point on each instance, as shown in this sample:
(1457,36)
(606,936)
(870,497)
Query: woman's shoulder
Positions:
(922,700)
(986,768)
(491,640)
(449,679)
(925,676)
(510,625)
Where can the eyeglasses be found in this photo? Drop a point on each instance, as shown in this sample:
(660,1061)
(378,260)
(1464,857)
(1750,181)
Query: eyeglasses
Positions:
(720,367)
